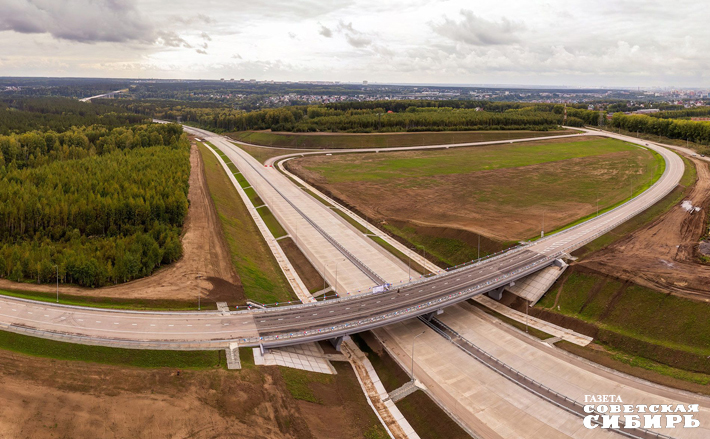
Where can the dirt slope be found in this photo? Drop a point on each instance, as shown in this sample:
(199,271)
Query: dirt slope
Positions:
(205,266)
(662,255)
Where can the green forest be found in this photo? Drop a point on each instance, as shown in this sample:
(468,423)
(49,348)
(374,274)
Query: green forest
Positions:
(361,117)
(658,124)
(22,114)
(102,205)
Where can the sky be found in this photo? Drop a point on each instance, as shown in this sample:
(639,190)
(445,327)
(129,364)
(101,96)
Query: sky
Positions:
(594,43)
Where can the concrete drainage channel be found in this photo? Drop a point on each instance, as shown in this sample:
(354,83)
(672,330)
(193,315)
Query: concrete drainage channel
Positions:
(528,383)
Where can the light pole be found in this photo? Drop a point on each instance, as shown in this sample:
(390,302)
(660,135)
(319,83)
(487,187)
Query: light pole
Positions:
(409,273)
(542,233)
(199,305)
(479,247)
(57,267)
(413,340)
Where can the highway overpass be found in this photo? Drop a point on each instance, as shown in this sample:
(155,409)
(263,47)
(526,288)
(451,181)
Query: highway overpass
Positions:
(333,318)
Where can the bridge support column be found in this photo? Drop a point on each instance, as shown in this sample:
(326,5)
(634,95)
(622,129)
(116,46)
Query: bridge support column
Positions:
(430,315)
(559,263)
(336,342)
(496,294)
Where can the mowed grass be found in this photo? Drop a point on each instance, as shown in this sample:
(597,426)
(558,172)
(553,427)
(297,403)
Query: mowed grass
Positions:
(258,270)
(263,154)
(109,302)
(501,192)
(391,140)
(40,347)
(648,215)
(637,321)
(397,165)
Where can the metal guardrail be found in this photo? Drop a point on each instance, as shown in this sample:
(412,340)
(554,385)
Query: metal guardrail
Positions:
(357,262)
(530,384)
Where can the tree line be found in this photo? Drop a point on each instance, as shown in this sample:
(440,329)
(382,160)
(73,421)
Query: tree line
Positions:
(37,148)
(698,132)
(21,114)
(103,206)
(381,116)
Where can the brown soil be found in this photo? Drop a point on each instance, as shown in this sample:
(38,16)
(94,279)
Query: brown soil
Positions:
(503,204)
(205,267)
(305,270)
(43,398)
(664,254)
(343,411)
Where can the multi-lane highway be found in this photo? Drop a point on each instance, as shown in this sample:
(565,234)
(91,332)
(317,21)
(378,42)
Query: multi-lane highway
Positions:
(322,320)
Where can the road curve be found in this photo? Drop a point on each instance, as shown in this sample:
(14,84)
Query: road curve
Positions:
(322,320)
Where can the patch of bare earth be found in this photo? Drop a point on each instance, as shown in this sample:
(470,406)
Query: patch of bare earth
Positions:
(502,204)
(43,398)
(663,254)
(205,267)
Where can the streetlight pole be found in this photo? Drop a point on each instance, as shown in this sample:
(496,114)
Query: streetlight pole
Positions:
(542,233)
(409,273)
(57,267)
(413,340)
(336,277)
(199,305)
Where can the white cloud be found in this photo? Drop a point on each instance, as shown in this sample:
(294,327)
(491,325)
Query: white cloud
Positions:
(626,42)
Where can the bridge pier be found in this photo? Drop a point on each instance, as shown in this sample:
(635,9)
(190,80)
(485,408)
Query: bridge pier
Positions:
(496,294)
(430,315)
(336,342)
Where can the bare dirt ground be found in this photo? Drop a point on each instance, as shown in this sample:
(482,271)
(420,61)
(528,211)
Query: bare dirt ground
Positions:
(663,255)
(502,204)
(205,267)
(45,398)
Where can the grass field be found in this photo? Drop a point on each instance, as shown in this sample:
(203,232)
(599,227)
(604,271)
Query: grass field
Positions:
(636,321)
(109,302)
(647,215)
(347,141)
(259,272)
(40,347)
(442,200)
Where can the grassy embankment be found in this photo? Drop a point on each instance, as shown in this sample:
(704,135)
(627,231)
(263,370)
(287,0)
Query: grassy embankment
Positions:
(661,333)
(40,347)
(308,274)
(650,214)
(391,140)
(257,268)
(527,179)
(109,302)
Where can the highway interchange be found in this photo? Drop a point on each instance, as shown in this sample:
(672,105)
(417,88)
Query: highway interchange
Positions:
(321,320)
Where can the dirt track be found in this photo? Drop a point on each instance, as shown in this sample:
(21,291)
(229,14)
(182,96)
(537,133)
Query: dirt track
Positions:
(205,267)
(662,255)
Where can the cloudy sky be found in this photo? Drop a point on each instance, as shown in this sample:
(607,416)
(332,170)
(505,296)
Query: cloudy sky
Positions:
(568,42)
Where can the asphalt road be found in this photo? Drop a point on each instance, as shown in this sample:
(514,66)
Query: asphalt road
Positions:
(322,320)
